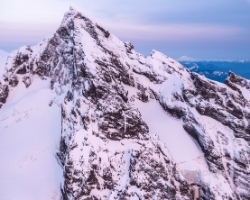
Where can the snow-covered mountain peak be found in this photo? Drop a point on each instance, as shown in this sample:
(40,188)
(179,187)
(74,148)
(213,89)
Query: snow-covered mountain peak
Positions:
(133,127)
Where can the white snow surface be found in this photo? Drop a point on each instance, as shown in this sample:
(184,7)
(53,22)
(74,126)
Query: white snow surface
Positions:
(181,146)
(29,138)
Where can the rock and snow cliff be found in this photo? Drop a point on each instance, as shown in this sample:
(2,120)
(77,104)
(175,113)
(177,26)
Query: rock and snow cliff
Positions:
(132,127)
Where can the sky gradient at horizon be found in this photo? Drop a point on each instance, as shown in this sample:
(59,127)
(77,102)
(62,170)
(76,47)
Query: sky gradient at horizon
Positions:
(204,29)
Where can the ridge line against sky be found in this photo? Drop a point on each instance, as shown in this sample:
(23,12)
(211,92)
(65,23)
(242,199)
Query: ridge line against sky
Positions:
(201,29)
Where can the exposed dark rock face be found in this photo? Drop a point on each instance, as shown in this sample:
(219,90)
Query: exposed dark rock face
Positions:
(151,75)
(4,92)
(231,110)
(106,148)
(20,59)
(195,129)
(106,33)
(26,81)
(237,80)
(22,70)
(13,81)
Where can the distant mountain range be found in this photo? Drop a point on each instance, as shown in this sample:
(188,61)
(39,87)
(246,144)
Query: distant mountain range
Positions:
(189,59)
(217,70)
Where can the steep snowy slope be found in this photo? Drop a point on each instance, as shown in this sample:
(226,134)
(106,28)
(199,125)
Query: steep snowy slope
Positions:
(29,134)
(132,127)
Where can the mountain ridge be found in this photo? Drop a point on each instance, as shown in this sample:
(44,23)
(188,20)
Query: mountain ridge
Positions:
(189,59)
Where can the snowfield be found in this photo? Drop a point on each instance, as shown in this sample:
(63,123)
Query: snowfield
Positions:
(186,154)
(29,139)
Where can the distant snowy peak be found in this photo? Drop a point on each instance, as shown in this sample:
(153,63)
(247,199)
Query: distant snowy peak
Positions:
(187,59)
(218,70)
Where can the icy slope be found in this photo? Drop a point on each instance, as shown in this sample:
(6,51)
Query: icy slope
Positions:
(132,127)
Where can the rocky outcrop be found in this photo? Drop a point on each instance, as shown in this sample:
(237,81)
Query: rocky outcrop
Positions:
(4,91)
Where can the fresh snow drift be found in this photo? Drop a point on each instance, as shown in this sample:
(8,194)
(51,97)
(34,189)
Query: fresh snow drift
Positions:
(84,116)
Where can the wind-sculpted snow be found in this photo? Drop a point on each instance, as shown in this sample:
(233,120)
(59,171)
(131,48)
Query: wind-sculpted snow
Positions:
(108,147)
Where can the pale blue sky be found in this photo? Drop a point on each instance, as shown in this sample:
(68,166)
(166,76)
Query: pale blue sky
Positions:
(209,29)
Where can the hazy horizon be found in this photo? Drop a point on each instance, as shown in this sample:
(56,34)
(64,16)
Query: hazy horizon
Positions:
(197,29)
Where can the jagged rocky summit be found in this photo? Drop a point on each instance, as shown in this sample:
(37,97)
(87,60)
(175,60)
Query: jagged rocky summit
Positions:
(136,127)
